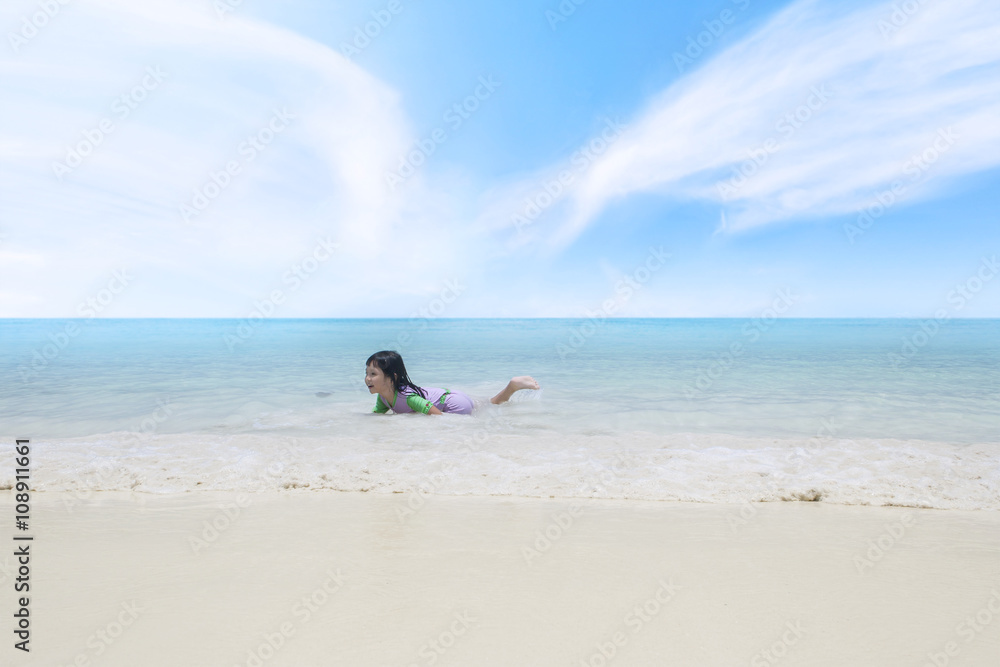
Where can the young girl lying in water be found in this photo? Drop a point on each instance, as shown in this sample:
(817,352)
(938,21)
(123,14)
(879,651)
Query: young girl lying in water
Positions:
(386,376)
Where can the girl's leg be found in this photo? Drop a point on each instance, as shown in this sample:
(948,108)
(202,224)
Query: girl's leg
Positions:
(515,384)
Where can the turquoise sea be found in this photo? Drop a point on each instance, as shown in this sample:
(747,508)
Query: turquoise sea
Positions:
(895,411)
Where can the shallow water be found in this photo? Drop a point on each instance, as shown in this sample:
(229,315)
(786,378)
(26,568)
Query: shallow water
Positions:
(881,411)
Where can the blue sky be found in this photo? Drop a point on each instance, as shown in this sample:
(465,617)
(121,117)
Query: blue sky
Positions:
(240,158)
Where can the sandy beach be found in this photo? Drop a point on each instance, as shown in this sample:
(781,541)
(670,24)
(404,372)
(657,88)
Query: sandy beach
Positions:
(307,578)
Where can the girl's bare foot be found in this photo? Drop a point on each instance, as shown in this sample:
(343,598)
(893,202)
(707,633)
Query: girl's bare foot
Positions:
(523,382)
(515,384)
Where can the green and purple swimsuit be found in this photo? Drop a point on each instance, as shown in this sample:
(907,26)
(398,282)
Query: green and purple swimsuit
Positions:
(442,399)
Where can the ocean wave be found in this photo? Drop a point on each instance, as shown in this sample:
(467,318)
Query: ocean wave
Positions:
(676,467)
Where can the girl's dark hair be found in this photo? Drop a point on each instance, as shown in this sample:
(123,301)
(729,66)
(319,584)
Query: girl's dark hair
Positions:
(390,363)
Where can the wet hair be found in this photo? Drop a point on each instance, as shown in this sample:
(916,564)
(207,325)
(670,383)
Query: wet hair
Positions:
(391,364)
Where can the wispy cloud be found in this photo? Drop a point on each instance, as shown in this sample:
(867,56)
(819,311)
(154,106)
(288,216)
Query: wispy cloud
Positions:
(825,105)
(222,82)
(820,109)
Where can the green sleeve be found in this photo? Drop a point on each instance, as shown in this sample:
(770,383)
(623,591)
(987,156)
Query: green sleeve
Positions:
(418,404)
(380,406)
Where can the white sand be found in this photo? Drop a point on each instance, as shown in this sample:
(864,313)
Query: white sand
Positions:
(450,584)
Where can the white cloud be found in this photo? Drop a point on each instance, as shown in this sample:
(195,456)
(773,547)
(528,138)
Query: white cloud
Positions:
(880,92)
(325,174)
(322,175)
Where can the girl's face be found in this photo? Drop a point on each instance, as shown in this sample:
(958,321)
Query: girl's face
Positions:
(376,380)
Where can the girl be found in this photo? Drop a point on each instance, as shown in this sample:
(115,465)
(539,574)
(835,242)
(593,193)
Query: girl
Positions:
(386,376)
